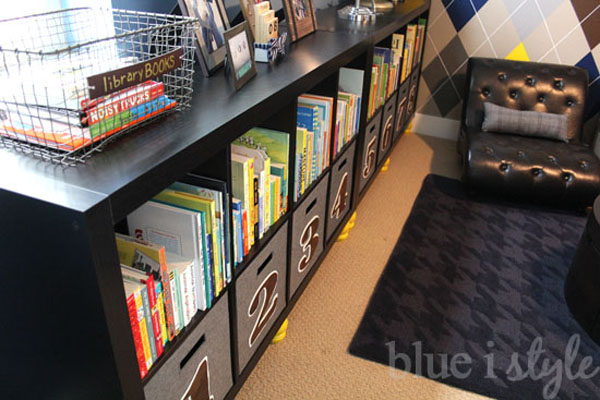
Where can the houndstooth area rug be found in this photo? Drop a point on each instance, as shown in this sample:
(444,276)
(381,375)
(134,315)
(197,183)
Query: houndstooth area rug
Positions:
(472,296)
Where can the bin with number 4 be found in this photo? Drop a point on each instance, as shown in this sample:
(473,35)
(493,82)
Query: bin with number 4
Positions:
(368,155)
(200,368)
(308,234)
(260,295)
(340,190)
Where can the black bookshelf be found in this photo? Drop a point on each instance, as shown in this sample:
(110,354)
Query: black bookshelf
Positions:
(67,331)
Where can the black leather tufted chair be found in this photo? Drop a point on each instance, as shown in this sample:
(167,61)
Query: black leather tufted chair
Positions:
(522,167)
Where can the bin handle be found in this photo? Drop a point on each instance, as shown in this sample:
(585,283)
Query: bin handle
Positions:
(264,264)
(192,351)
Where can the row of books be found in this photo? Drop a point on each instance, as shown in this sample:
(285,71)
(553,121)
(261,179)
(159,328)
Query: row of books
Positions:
(259,171)
(178,254)
(347,120)
(72,129)
(159,295)
(391,66)
(413,47)
(313,138)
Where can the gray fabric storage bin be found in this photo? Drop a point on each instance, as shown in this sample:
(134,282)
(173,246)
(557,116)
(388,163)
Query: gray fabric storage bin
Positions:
(308,234)
(201,364)
(340,186)
(368,155)
(387,128)
(412,95)
(260,295)
(401,106)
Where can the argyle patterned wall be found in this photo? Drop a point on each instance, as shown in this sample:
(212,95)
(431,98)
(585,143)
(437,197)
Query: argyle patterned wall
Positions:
(555,31)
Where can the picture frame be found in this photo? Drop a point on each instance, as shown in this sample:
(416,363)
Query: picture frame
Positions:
(247,7)
(210,42)
(240,53)
(301,18)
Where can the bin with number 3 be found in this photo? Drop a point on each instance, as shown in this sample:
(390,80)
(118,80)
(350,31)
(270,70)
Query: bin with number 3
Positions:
(308,234)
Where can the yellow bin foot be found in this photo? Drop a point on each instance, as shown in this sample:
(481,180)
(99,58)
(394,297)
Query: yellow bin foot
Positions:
(281,333)
(346,231)
(385,166)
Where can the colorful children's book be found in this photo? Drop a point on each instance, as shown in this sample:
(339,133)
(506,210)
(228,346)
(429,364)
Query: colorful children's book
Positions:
(421,31)
(184,269)
(383,56)
(236,211)
(325,105)
(123,101)
(262,167)
(280,170)
(241,186)
(196,203)
(308,118)
(138,326)
(178,230)
(219,189)
(277,147)
(398,41)
(150,258)
(149,298)
(237,208)
(411,31)
(160,303)
(131,117)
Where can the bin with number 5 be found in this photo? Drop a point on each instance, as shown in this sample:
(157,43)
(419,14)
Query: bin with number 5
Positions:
(260,296)
(368,156)
(308,234)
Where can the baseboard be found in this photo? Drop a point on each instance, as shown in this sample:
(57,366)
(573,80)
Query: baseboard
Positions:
(435,126)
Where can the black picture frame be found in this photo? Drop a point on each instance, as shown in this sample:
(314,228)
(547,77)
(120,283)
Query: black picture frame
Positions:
(240,53)
(210,56)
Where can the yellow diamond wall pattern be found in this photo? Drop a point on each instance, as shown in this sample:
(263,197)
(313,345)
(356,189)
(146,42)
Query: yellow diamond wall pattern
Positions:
(518,54)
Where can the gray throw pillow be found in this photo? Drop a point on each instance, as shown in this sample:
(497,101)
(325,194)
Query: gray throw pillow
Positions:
(528,123)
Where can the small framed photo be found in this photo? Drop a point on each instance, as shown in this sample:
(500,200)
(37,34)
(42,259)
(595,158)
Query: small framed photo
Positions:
(210,47)
(247,7)
(301,18)
(238,41)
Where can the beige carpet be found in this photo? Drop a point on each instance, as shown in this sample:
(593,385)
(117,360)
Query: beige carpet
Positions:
(313,362)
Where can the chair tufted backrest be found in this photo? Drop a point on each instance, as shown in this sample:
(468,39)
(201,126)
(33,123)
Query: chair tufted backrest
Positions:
(530,86)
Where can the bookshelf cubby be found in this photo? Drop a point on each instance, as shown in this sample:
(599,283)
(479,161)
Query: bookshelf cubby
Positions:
(68,333)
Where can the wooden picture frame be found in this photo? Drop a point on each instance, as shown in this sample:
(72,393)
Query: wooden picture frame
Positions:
(300,17)
(210,41)
(240,51)
(247,7)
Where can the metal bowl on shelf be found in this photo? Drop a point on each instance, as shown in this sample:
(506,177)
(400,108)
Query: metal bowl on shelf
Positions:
(380,6)
(357,13)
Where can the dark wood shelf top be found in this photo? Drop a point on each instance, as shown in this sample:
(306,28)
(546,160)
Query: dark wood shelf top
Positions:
(141,163)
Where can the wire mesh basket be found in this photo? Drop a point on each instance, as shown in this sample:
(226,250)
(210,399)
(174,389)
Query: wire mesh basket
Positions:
(75,79)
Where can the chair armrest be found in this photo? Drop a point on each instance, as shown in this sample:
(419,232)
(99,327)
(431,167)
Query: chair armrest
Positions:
(463,146)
